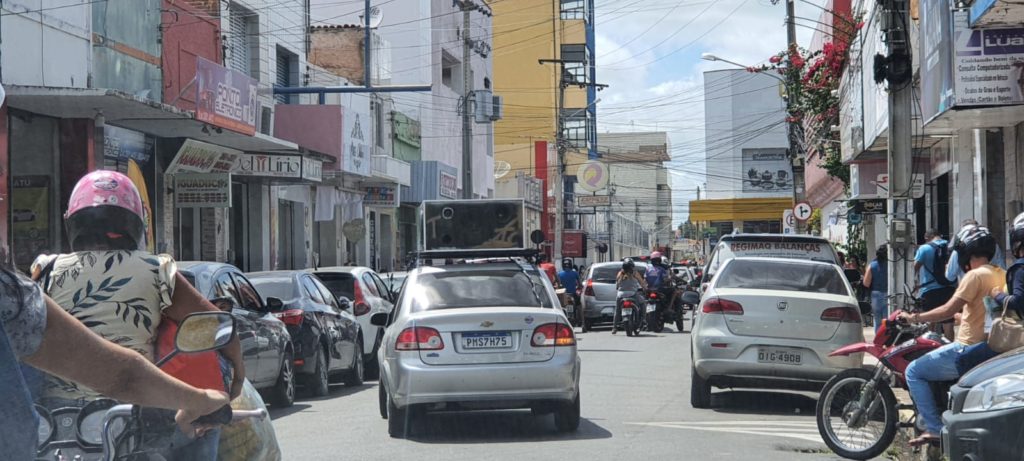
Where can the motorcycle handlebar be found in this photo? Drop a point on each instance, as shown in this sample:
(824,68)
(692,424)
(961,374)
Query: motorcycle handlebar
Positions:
(226,415)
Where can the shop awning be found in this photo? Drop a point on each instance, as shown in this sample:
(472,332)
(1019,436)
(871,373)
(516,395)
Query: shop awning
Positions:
(136,113)
(740,209)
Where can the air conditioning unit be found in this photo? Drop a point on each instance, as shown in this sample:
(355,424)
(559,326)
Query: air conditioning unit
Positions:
(483,105)
(497,108)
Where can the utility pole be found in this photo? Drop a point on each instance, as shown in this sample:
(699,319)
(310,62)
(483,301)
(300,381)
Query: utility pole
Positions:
(610,223)
(898,76)
(467,124)
(796,152)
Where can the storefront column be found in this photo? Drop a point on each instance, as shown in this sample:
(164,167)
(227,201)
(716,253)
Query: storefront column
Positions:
(963,177)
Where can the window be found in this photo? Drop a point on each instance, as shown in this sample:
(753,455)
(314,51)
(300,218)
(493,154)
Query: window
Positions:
(313,291)
(381,286)
(451,72)
(482,288)
(781,275)
(762,227)
(574,9)
(249,296)
(329,297)
(576,61)
(369,285)
(575,123)
(242,40)
(286,74)
(224,287)
(342,285)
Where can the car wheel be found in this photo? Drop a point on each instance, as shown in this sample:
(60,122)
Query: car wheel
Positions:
(700,390)
(371,367)
(567,416)
(317,383)
(283,394)
(382,400)
(355,376)
(399,420)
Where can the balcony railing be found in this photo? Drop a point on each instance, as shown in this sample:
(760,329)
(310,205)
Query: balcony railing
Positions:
(390,168)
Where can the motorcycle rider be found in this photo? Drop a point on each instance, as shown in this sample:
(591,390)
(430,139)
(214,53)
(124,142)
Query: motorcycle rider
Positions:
(628,279)
(975,248)
(658,278)
(570,280)
(118,290)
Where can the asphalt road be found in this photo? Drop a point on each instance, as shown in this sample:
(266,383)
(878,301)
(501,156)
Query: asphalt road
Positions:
(635,405)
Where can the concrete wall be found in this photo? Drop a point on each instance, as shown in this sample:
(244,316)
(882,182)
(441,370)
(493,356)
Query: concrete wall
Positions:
(127,52)
(49,48)
(339,51)
(189,33)
(742,111)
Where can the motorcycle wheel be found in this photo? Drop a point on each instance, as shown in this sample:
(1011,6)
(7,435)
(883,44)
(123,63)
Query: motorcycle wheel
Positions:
(652,321)
(628,325)
(680,323)
(867,438)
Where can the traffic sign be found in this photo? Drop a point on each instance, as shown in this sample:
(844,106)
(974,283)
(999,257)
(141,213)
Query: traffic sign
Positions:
(788,222)
(802,211)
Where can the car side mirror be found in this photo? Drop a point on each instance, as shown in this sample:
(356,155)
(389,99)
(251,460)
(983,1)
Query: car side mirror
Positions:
(274,304)
(691,298)
(379,319)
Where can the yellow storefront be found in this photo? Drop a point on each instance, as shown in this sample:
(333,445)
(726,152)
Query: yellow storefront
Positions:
(749,215)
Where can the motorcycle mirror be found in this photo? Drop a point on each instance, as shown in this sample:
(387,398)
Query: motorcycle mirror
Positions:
(204,331)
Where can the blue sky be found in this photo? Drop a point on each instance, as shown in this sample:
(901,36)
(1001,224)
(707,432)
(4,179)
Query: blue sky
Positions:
(649,53)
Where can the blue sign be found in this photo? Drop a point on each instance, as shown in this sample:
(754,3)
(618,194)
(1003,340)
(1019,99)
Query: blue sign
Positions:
(854,218)
(979,8)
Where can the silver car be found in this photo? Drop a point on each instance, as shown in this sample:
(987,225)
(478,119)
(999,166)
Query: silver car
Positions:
(599,292)
(771,323)
(477,337)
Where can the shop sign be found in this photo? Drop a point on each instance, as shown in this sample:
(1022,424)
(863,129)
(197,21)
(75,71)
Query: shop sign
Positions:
(574,244)
(448,186)
(312,169)
(225,97)
(407,130)
(767,170)
(200,157)
(384,195)
(356,120)
(594,200)
(269,166)
(202,190)
(937,56)
(987,65)
(592,176)
(870,206)
(121,145)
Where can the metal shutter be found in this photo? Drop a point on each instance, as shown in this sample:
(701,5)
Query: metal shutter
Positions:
(238,39)
(283,75)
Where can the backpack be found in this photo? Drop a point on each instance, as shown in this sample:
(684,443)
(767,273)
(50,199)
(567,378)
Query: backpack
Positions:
(938,269)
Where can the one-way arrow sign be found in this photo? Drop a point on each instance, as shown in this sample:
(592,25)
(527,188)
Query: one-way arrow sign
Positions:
(802,211)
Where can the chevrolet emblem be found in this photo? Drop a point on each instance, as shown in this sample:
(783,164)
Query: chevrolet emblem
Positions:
(783,305)
(487,324)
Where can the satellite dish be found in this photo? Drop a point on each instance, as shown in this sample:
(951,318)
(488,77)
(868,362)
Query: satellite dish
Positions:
(376,17)
(501,168)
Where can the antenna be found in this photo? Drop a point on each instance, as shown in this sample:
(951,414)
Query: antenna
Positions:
(376,17)
(501,168)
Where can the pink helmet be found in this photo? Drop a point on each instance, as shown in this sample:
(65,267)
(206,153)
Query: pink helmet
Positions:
(655,255)
(105,204)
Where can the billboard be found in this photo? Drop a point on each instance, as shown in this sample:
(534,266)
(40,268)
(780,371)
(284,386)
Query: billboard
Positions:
(988,64)
(936,69)
(357,157)
(225,97)
(767,170)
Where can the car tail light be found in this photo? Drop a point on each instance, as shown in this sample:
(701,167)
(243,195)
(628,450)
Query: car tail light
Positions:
(590,288)
(291,317)
(360,307)
(841,314)
(722,306)
(419,339)
(553,334)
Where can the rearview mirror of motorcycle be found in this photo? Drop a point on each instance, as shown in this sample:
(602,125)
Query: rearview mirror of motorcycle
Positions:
(204,331)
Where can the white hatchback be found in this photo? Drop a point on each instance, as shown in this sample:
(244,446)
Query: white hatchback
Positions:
(771,323)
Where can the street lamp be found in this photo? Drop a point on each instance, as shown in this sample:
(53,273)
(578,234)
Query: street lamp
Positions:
(795,154)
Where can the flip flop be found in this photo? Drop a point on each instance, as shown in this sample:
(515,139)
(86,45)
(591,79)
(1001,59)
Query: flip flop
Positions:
(924,440)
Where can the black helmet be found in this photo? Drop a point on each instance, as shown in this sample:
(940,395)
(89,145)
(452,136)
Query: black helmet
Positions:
(1017,234)
(974,241)
(628,265)
(567,263)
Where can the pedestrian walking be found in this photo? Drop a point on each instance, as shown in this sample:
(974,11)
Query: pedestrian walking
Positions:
(930,270)
(876,280)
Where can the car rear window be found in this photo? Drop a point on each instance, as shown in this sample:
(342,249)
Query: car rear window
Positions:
(605,274)
(276,287)
(485,288)
(782,275)
(342,285)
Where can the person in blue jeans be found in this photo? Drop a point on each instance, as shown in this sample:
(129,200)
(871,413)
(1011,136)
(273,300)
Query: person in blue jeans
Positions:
(876,279)
(976,247)
(932,285)
(570,280)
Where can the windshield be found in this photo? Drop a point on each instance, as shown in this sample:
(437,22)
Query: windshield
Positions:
(781,275)
(485,288)
(275,287)
(341,285)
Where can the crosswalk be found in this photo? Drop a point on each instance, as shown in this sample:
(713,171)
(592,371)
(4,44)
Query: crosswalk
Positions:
(800,430)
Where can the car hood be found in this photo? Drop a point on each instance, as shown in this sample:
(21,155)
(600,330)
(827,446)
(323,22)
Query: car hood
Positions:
(1009,362)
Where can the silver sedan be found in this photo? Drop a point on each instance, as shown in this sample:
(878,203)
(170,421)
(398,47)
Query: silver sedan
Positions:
(478,336)
(771,323)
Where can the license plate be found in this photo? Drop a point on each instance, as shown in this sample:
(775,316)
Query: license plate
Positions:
(627,312)
(487,340)
(651,308)
(781,356)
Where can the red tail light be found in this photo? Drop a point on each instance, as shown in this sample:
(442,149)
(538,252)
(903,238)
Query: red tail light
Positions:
(553,334)
(590,288)
(360,307)
(627,304)
(841,314)
(722,306)
(291,317)
(419,339)
(653,295)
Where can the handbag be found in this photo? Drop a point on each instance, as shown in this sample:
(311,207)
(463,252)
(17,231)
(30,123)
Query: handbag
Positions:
(1007,332)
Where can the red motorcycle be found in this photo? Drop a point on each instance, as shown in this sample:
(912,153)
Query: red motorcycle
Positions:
(857,412)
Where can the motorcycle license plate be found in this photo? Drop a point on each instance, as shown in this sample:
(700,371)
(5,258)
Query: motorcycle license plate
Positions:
(652,307)
(627,311)
(779,356)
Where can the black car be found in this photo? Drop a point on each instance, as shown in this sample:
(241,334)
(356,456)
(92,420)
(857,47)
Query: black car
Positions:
(985,419)
(325,335)
(266,344)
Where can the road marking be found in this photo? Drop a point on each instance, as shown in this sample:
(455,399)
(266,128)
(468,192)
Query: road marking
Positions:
(799,430)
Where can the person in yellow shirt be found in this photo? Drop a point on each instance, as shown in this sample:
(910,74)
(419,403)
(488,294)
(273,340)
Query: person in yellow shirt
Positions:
(975,249)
